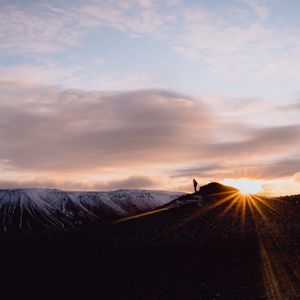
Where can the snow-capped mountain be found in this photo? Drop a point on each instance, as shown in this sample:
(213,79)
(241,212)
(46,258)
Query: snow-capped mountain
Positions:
(28,209)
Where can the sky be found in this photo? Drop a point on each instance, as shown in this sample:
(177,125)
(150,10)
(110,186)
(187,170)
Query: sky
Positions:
(102,95)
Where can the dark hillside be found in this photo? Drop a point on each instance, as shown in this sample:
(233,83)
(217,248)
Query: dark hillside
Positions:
(189,251)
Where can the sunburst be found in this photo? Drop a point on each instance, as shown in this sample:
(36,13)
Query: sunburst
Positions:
(280,265)
(276,253)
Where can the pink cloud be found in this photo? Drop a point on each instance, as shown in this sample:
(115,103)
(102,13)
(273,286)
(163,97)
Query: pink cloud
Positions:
(126,136)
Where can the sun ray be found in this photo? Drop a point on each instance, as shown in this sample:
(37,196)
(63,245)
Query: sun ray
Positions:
(230,206)
(229,197)
(265,203)
(279,263)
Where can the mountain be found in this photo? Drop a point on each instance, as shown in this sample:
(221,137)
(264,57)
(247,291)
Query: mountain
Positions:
(187,249)
(30,209)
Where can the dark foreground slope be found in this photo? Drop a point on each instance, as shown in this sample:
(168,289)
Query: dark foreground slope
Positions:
(190,250)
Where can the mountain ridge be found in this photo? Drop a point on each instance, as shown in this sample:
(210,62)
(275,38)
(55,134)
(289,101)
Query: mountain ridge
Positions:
(28,208)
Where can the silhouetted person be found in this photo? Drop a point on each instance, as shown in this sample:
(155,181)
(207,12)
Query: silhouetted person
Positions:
(195,185)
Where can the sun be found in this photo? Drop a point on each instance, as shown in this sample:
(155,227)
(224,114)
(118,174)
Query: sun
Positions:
(246,186)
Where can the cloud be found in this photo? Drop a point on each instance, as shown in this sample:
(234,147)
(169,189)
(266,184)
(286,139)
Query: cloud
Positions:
(293,107)
(279,169)
(232,45)
(259,9)
(140,18)
(235,45)
(266,170)
(200,170)
(73,129)
(131,138)
(45,28)
(297,177)
(268,142)
(38,74)
(25,29)
(78,76)
(134,182)
(130,183)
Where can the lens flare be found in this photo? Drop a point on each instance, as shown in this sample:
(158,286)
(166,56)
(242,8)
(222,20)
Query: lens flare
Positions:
(279,262)
(246,186)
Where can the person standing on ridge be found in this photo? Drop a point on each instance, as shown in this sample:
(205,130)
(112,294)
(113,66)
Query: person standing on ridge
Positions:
(195,185)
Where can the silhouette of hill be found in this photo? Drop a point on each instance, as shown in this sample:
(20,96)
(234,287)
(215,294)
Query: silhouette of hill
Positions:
(212,189)
(192,248)
(216,188)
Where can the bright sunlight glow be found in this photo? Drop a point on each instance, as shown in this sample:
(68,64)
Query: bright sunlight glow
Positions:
(246,186)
